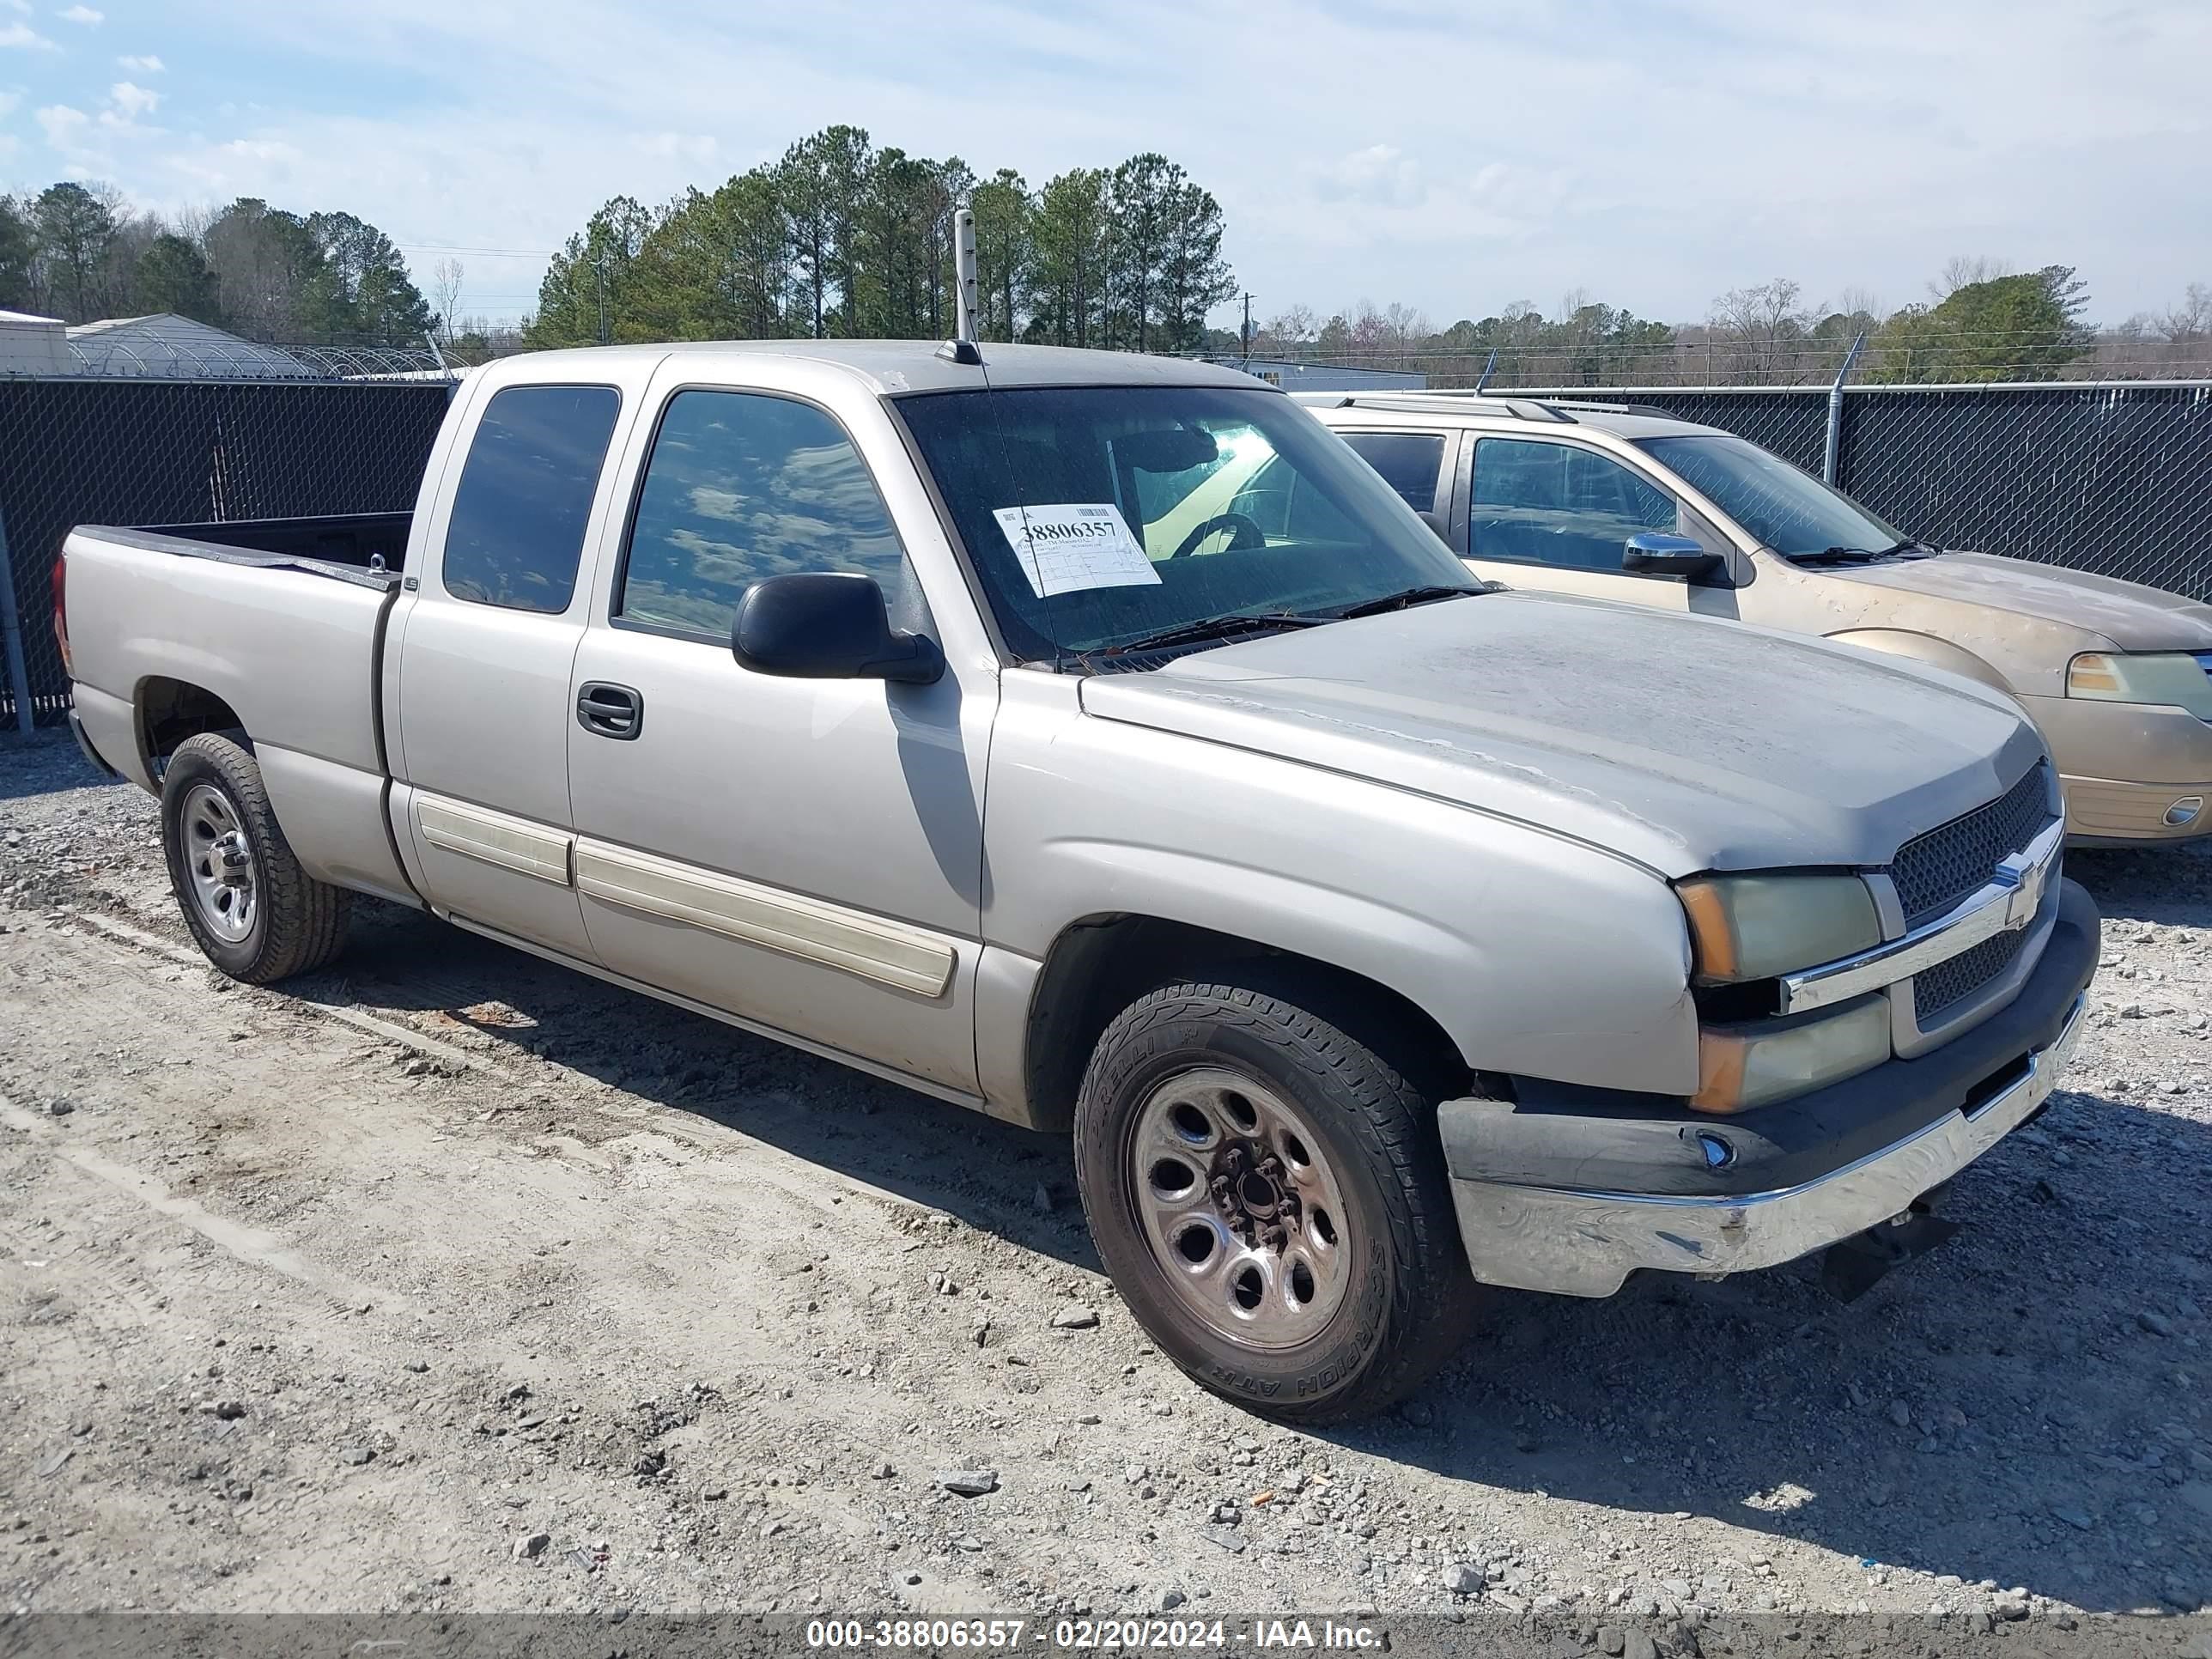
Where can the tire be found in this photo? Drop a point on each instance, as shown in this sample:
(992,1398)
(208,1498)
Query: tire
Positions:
(1387,1298)
(254,912)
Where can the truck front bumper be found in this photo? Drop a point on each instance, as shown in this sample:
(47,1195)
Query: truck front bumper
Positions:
(1684,1192)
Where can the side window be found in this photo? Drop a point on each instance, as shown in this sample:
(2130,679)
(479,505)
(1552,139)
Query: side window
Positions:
(516,531)
(1408,461)
(1558,504)
(741,485)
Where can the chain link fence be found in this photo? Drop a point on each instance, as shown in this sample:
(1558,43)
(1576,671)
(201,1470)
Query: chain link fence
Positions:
(120,450)
(2113,477)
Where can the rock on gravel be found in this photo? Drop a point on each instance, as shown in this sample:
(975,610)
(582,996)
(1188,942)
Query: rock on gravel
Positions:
(1074,1319)
(968,1482)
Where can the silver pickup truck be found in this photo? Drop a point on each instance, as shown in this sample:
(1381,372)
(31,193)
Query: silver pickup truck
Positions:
(1375,935)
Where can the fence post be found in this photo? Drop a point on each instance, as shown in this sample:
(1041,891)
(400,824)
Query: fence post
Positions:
(1835,411)
(19,673)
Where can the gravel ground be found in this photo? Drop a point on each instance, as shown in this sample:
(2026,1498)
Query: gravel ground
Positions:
(450,1280)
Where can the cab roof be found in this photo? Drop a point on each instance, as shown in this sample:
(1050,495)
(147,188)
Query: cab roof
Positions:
(891,367)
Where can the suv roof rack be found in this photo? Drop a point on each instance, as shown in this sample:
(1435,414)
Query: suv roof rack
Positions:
(1488,402)
(1435,403)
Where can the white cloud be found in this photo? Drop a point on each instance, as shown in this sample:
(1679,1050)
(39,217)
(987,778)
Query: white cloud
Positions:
(9,100)
(26,37)
(689,146)
(1379,174)
(148,64)
(83,14)
(132,101)
(63,126)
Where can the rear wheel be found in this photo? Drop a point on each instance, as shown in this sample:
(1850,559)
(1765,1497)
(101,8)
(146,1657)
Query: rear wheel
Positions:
(254,912)
(1267,1191)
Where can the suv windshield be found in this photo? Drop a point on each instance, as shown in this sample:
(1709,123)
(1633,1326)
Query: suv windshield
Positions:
(1102,516)
(1788,509)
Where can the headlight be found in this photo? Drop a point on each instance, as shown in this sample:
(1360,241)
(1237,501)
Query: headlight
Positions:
(1756,926)
(1742,1066)
(2174,677)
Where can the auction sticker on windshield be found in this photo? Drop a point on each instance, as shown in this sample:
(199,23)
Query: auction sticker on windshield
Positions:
(1070,546)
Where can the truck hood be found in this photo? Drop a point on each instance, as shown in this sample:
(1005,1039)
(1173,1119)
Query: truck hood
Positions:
(1682,741)
(2126,616)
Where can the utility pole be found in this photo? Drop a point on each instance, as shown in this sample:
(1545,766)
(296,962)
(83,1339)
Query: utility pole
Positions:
(1248,325)
(599,265)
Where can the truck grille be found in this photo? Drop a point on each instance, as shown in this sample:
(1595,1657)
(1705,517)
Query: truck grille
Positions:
(1936,870)
(1950,982)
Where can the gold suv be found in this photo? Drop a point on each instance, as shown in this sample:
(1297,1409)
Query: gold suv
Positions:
(1618,503)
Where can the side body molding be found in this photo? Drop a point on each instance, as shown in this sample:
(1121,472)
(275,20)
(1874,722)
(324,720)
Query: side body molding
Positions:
(888,952)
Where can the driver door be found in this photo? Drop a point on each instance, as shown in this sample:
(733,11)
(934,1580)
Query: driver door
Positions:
(1554,517)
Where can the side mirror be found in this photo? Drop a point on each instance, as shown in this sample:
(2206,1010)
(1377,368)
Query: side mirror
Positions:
(1662,554)
(821,625)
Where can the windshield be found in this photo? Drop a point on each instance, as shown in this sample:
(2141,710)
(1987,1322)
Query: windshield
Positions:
(1099,516)
(1788,509)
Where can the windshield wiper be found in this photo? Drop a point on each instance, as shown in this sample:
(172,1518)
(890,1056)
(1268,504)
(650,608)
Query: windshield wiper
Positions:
(1400,599)
(1907,548)
(1208,628)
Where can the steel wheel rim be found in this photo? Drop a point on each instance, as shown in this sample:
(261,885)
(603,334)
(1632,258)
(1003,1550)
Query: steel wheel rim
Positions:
(1244,1215)
(221,874)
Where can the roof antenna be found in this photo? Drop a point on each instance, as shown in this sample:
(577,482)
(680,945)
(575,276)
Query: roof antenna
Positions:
(961,348)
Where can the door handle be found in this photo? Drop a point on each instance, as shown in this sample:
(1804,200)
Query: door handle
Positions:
(610,710)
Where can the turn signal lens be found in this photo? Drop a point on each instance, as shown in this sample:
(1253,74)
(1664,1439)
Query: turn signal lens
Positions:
(1740,1067)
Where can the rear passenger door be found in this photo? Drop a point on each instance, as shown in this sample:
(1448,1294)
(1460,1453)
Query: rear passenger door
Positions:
(1411,463)
(803,853)
(1553,517)
(482,650)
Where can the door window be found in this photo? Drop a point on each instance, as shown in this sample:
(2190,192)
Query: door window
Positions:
(1559,504)
(742,485)
(1408,461)
(516,535)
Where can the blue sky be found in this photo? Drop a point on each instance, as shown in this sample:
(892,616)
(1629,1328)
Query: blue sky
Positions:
(1455,157)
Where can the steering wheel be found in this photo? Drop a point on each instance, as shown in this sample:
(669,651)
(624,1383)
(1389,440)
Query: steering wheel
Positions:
(1248,535)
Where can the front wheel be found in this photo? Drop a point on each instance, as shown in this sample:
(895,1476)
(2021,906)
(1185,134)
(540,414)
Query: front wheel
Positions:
(1268,1193)
(255,913)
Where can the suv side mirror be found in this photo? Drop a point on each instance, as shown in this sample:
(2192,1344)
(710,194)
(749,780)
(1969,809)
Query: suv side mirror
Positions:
(1662,554)
(824,625)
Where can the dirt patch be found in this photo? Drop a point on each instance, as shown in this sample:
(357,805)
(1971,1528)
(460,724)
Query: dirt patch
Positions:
(345,1297)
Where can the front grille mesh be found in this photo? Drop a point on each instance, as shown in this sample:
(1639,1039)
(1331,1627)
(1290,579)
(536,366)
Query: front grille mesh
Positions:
(1933,872)
(1952,981)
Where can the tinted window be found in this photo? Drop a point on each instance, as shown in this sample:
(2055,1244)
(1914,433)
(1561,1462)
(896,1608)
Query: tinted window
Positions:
(741,486)
(1547,503)
(1408,461)
(517,531)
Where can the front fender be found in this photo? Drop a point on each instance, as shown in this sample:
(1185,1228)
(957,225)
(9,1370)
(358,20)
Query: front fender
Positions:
(1926,648)
(1535,954)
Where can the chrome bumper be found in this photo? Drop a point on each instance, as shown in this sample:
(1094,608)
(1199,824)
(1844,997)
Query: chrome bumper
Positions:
(1586,1243)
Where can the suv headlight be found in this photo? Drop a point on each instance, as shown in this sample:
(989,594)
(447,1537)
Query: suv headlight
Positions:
(2171,678)
(1745,927)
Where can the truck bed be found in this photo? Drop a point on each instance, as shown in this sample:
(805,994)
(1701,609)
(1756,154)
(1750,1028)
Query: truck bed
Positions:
(173,631)
(357,539)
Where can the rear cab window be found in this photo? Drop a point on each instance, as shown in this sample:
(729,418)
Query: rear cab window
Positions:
(515,535)
(742,486)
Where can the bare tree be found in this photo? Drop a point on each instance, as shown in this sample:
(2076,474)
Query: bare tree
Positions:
(445,293)
(2190,321)
(1764,329)
(1964,270)
(1294,326)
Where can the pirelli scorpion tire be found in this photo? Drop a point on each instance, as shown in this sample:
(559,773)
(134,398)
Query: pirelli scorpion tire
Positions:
(1267,1191)
(256,914)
